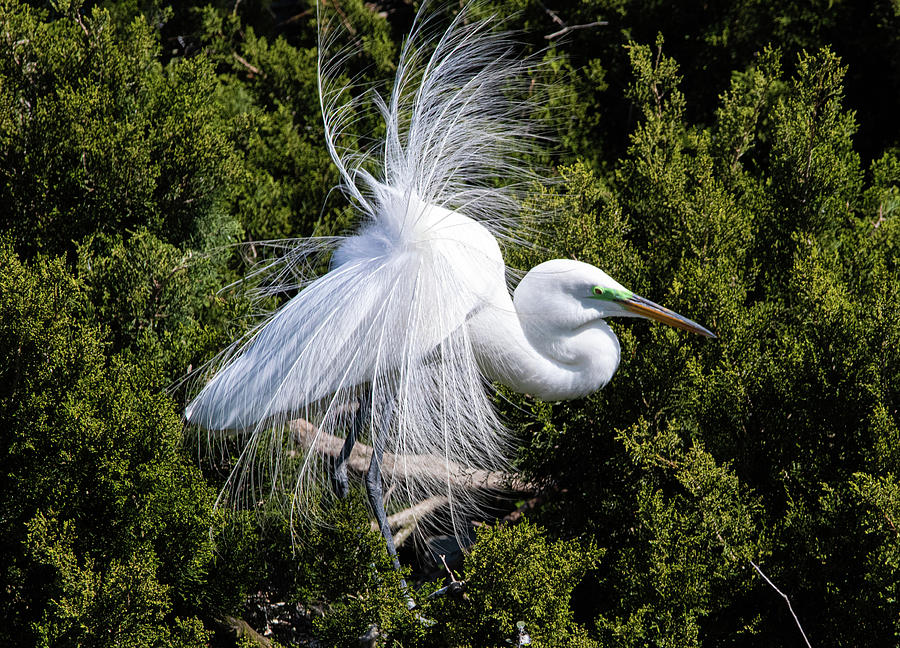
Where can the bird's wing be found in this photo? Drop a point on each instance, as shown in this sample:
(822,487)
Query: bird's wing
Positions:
(391,330)
(386,308)
(361,321)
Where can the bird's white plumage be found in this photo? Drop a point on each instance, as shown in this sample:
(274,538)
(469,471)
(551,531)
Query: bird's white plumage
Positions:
(394,293)
(391,322)
(414,316)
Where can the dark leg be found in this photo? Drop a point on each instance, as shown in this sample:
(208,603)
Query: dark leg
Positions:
(376,496)
(339,468)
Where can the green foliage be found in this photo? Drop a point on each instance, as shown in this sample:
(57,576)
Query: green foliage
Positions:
(515,574)
(101,137)
(759,445)
(105,528)
(158,303)
(753,188)
(270,89)
(348,568)
(694,532)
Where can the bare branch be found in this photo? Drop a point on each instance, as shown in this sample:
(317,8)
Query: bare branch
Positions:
(402,518)
(252,68)
(554,16)
(81,23)
(240,629)
(786,599)
(401,535)
(408,518)
(771,584)
(340,12)
(453,578)
(456,587)
(527,505)
(311,438)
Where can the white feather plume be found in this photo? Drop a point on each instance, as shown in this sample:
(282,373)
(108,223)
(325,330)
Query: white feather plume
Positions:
(388,324)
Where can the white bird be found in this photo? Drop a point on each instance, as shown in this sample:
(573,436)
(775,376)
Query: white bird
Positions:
(400,339)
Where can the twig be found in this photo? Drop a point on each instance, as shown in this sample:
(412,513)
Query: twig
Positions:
(454,588)
(880,216)
(81,23)
(527,505)
(340,12)
(453,578)
(771,584)
(554,16)
(240,59)
(570,28)
(786,599)
(303,14)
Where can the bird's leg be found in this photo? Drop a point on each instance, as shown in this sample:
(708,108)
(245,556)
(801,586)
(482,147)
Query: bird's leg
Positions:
(339,478)
(376,497)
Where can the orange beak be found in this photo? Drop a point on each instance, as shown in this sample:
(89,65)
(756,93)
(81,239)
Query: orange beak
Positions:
(646,308)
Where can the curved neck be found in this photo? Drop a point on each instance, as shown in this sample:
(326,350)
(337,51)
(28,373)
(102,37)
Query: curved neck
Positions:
(515,350)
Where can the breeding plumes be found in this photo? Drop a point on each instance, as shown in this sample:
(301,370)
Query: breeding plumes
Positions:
(399,340)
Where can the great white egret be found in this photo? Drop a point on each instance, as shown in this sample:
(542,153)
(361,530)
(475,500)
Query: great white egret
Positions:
(400,338)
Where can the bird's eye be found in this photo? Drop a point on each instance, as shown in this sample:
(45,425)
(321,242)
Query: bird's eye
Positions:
(598,290)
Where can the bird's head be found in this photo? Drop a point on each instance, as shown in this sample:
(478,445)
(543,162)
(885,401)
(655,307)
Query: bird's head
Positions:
(574,293)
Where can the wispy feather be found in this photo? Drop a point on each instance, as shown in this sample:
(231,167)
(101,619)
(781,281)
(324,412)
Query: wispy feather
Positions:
(384,334)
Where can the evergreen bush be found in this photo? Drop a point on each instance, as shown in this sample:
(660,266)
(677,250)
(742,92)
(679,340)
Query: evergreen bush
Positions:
(740,165)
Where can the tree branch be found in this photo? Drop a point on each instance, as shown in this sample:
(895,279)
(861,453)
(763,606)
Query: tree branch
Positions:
(770,583)
(310,437)
(240,629)
(401,518)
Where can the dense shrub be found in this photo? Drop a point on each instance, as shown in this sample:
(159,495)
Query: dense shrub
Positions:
(752,187)
(105,531)
(771,443)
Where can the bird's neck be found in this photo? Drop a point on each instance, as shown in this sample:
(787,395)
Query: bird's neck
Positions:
(517,351)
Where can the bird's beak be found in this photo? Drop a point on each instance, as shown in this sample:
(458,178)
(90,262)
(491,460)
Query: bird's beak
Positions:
(646,308)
